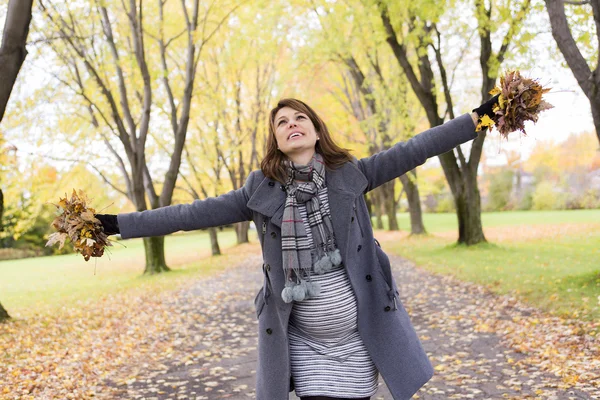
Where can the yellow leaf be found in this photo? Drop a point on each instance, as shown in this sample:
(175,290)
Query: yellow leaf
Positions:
(485,121)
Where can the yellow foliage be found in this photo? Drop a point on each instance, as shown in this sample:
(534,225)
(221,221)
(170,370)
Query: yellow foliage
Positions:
(485,122)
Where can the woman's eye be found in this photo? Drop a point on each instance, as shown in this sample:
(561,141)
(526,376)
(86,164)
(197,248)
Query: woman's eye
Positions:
(301,116)
(280,122)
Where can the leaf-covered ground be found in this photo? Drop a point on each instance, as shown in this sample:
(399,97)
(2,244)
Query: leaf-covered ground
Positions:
(199,342)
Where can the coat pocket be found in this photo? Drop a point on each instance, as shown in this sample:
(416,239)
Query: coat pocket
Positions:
(259,302)
(386,272)
(384,266)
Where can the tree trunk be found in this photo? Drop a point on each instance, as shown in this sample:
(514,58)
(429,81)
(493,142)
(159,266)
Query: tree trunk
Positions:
(388,199)
(376,200)
(241,231)
(595,104)
(1,209)
(214,242)
(468,205)
(474,228)
(155,255)
(461,177)
(12,49)
(414,204)
(3,314)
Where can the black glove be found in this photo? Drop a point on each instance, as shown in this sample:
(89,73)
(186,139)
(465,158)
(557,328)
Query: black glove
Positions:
(109,223)
(487,107)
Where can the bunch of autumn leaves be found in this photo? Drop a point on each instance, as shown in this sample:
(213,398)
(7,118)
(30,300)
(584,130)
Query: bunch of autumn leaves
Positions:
(76,222)
(519,100)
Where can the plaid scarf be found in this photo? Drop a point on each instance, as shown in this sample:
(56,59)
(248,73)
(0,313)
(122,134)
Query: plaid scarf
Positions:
(305,252)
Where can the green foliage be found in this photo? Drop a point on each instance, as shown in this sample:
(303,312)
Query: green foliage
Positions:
(27,229)
(445,205)
(583,28)
(526,201)
(590,199)
(15,254)
(19,216)
(500,189)
(547,197)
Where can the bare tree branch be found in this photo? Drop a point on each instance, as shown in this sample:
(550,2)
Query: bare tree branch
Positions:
(107,28)
(440,62)
(104,178)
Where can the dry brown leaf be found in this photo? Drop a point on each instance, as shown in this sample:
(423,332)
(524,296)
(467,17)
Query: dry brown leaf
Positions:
(76,221)
(520,100)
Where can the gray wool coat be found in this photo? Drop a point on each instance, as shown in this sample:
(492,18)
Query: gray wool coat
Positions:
(383,323)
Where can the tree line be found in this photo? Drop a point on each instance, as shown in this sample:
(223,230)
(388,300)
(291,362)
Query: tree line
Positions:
(174,95)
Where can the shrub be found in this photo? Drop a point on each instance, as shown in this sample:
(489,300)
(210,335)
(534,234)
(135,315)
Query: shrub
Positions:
(14,254)
(546,197)
(590,199)
(526,201)
(501,184)
(446,204)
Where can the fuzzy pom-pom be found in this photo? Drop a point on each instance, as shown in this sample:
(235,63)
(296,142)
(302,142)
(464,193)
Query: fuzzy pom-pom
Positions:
(287,295)
(313,289)
(335,257)
(323,265)
(299,292)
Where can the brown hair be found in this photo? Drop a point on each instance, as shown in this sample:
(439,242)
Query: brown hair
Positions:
(334,156)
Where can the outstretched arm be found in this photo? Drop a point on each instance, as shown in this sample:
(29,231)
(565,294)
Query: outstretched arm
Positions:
(404,156)
(215,211)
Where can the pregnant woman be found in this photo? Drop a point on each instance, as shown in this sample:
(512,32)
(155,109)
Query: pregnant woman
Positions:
(329,317)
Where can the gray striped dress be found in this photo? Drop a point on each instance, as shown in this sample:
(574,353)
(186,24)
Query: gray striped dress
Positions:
(327,354)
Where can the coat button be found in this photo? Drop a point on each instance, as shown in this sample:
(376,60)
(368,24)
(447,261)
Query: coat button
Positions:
(271,184)
(273,235)
(369,279)
(270,331)
(282,188)
(359,247)
(387,308)
(268,267)
(352,220)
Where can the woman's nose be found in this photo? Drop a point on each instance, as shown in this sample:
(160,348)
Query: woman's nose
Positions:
(292,123)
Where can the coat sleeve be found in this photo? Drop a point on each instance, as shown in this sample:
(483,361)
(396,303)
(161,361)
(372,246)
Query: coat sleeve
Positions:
(214,211)
(405,156)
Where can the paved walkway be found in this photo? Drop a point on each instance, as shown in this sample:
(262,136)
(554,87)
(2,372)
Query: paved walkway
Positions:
(214,353)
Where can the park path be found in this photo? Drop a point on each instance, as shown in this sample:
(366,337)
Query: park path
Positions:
(214,346)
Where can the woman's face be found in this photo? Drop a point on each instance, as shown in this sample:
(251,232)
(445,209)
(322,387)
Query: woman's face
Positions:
(295,134)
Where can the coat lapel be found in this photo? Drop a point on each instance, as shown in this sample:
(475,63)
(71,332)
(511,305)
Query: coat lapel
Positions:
(344,185)
(269,200)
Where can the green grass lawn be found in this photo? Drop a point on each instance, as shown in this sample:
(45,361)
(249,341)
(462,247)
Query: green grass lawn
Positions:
(33,284)
(555,269)
(550,268)
(443,222)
